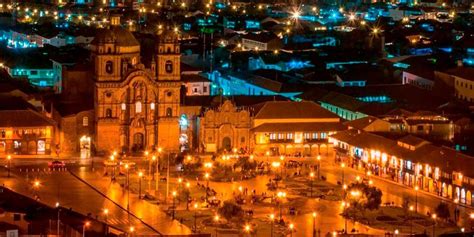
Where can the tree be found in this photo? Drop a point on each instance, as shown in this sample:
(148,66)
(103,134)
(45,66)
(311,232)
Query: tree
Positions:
(442,210)
(230,209)
(364,197)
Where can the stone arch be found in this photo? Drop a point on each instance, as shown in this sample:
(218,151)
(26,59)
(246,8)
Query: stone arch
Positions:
(32,147)
(462,198)
(450,191)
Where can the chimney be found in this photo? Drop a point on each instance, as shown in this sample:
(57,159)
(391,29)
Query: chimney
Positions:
(115,20)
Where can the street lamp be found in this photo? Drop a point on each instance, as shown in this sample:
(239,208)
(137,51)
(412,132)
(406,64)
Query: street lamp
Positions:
(174,202)
(281,196)
(272,219)
(57,206)
(195,216)
(131,230)
(206,175)
(87,224)
(128,192)
(9,159)
(434,224)
(106,213)
(311,177)
(319,165)
(314,224)
(247,228)
(140,175)
(343,165)
(416,198)
(292,226)
(216,219)
(411,220)
(112,159)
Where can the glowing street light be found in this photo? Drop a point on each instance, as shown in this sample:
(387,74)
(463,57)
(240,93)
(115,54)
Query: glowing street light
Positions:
(416,198)
(314,223)
(272,219)
(86,225)
(9,159)
(291,226)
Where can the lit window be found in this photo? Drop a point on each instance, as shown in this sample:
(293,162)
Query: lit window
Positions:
(108,113)
(169,112)
(85,121)
(138,107)
(124,106)
(152,106)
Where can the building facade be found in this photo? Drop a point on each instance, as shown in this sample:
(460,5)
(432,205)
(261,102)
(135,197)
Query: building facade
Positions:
(136,108)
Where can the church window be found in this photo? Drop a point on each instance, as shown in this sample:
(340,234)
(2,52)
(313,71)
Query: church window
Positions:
(152,106)
(168,50)
(108,94)
(169,93)
(169,66)
(108,113)
(138,107)
(176,50)
(85,121)
(242,139)
(3,134)
(169,112)
(109,50)
(109,67)
(124,106)
(134,60)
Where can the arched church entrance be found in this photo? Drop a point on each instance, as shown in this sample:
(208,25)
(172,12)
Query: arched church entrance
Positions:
(226,144)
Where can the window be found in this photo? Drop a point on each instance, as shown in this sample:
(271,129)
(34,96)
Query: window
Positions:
(307,135)
(124,106)
(272,136)
(281,136)
(289,136)
(138,107)
(204,89)
(315,135)
(3,134)
(323,135)
(152,106)
(34,72)
(169,112)
(108,113)
(85,121)
(242,139)
(169,66)
(109,67)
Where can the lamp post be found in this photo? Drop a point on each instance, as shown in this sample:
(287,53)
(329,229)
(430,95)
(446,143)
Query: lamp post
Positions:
(416,198)
(128,192)
(87,224)
(319,165)
(343,165)
(140,175)
(9,159)
(411,220)
(216,219)
(36,185)
(57,222)
(131,230)
(188,185)
(291,226)
(311,177)
(106,213)
(247,228)
(206,175)
(280,196)
(434,224)
(314,224)
(174,203)
(168,178)
(272,219)
(112,159)
(195,216)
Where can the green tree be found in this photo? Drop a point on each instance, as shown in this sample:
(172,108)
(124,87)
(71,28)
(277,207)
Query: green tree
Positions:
(230,209)
(363,196)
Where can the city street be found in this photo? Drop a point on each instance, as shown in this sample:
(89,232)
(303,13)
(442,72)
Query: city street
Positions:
(70,191)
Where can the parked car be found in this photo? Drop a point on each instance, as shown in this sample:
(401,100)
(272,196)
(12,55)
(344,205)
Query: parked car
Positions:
(56,164)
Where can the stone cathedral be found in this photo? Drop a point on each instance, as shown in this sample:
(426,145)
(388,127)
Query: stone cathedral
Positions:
(136,108)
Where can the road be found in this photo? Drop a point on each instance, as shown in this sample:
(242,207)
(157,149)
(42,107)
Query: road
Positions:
(75,194)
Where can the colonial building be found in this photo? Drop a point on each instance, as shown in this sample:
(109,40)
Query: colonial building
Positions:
(136,108)
(410,161)
(23,130)
(277,127)
(225,128)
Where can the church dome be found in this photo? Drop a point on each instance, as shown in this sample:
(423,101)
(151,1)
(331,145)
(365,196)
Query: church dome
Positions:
(117,35)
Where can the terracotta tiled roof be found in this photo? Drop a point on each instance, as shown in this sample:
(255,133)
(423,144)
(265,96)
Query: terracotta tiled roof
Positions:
(23,118)
(299,127)
(291,109)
